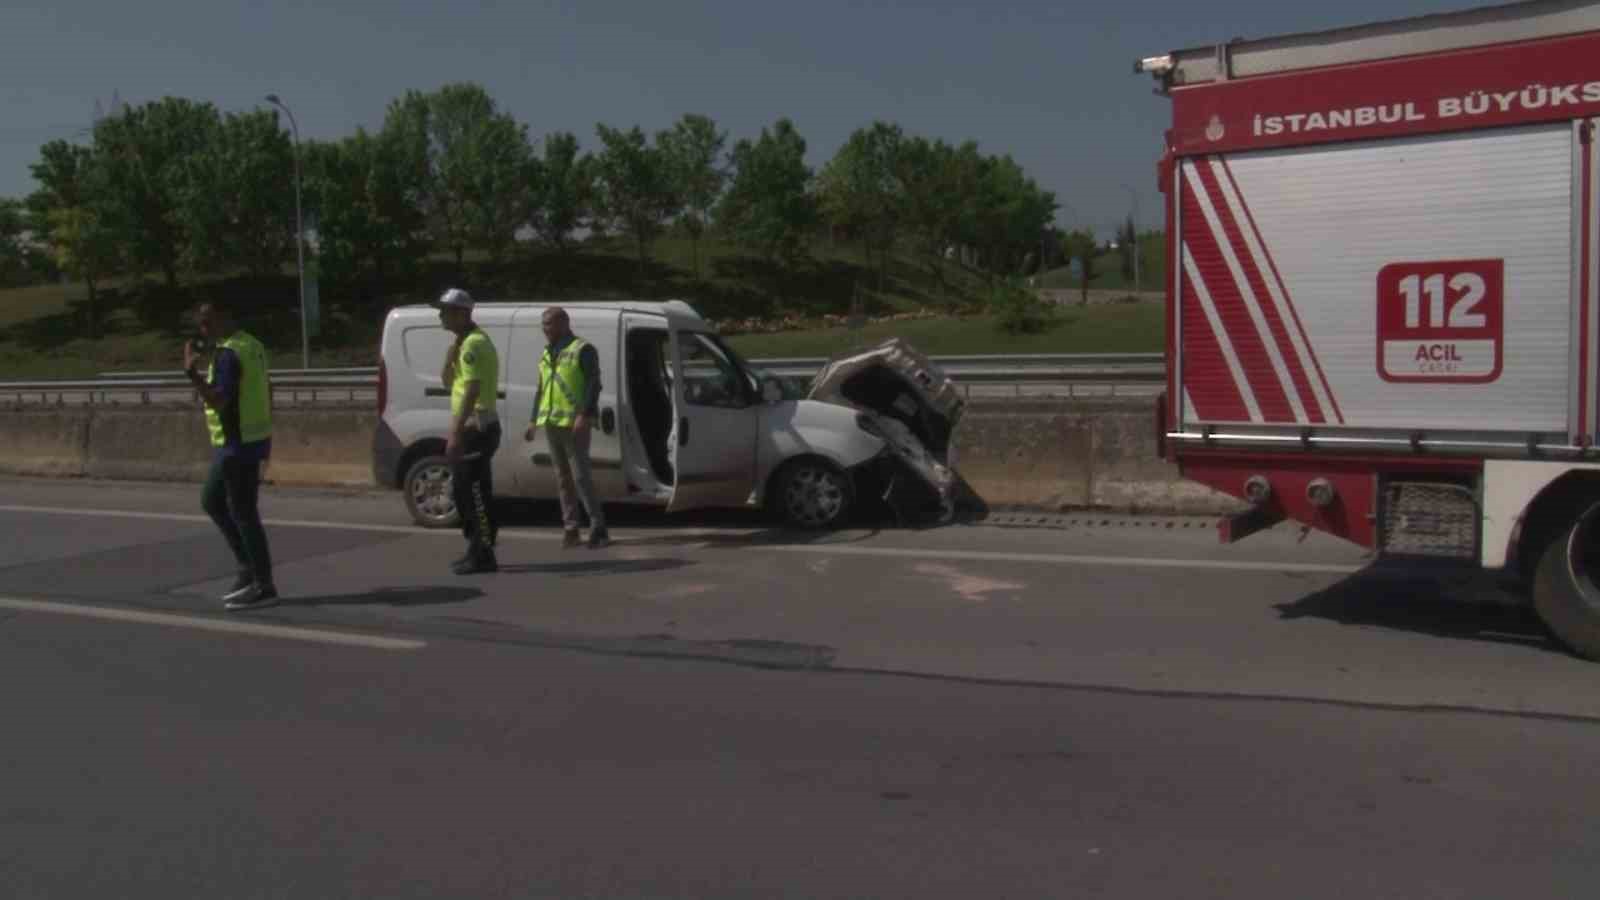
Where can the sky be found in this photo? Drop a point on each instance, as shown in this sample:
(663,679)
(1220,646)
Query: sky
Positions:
(1049,83)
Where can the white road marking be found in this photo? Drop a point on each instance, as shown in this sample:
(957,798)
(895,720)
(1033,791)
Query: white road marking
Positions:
(307,635)
(1132,562)
(280,523)
(935,553)
(971,587)
(548,534)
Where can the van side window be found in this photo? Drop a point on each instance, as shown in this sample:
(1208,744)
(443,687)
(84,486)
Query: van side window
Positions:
(710,377)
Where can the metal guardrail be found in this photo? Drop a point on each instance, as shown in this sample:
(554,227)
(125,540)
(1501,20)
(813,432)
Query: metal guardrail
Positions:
(952,364)
(1104,370)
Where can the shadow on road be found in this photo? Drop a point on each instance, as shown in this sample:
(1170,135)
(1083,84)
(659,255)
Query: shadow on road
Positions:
(1422,604)
(769,537)
(396,597)
(871,513)
(598,567)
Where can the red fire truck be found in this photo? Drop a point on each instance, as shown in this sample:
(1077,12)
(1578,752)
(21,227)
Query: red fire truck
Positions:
(1383,308)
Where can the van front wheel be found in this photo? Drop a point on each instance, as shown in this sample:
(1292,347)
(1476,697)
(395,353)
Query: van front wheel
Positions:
(812,494)
(430,495)
(1566,586)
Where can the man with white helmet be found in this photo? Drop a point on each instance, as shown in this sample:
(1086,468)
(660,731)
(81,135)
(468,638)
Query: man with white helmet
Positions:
(472,375)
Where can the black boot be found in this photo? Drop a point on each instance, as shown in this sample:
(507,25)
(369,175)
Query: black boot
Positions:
(479,560)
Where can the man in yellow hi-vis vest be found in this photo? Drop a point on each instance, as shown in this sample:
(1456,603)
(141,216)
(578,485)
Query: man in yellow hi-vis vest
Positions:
(238,401)
(472,374)
(565,406)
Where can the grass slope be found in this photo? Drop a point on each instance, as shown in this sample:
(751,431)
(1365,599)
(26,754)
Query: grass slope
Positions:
(42,328)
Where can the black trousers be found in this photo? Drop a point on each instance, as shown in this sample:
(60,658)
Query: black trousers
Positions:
(230,497)
(473,483)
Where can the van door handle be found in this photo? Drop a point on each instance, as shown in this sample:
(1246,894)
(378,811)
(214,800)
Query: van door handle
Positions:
(608,420)
(683,431)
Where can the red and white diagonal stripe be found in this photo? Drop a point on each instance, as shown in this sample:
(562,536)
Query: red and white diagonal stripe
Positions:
(1588,283)
(1246,357)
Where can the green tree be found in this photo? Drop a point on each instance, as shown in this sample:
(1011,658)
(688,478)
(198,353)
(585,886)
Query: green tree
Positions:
(59,170)
(634,181)
(13,255)
(694,152)
(862,191)
(147,155)
(1081,245)
(1127,241)
(768,206)
(84,248)
(473,163)
(967,168)
(367,193)
(1011,214)
(562,195)
(498,200)
(935,182)
(237,201)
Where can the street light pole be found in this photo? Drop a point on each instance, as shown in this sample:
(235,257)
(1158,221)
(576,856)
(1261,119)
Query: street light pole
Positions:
(1138,276)
(299,236)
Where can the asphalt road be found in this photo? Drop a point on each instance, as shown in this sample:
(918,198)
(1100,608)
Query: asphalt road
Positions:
(1111,707)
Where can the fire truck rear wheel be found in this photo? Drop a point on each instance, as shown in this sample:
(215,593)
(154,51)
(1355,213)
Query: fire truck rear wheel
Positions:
(1566,586)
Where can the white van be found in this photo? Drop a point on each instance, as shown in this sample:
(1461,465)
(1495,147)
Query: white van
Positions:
(723,436)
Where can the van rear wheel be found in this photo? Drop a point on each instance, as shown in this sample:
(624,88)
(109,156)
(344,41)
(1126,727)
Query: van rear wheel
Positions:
(1566,586)
(430,494)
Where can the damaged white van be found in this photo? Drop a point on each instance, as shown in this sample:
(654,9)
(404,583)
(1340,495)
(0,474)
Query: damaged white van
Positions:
(875,424)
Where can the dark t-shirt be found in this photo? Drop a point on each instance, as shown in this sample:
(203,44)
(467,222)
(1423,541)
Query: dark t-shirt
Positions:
(228,376)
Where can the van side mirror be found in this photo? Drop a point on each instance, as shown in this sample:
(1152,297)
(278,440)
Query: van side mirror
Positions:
(771,390)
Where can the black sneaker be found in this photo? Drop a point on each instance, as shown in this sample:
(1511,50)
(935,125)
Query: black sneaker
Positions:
(478,563)
(256,596)
(463,559)
(240,582)
(570,538)
(599,538)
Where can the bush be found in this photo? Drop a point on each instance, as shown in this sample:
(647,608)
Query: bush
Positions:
(1018,310)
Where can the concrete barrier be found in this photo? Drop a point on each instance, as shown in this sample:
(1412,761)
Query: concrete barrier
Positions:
(1056,455)
(322,446)
(151,443)
(45,441)
(1062,455)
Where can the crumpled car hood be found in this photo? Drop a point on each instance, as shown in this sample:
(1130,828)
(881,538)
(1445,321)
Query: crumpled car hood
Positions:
(907,401)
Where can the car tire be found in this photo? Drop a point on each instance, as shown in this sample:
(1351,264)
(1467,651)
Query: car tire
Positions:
(812,494)
(428,489)
(1566,586)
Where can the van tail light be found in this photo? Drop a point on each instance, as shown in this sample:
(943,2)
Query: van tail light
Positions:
(383,387)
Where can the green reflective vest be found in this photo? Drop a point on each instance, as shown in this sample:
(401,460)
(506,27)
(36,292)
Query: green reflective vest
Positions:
(562,386)
(255,399)
(478,361)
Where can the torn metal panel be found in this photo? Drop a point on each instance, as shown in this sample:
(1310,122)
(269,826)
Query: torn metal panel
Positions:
(913,406)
